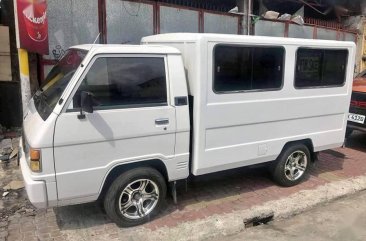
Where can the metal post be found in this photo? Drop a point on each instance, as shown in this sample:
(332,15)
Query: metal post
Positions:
(24,77)
(23,65)
(249,12)
(174,191)
(244,7)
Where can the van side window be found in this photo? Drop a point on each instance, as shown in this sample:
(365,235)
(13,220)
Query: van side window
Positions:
(320,68)
(240,68)
(122,82)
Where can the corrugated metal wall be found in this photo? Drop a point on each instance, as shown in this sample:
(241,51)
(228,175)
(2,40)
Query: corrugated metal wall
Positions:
(127,22)
(213,5)
(69,23)
(214,23)
(288,29)
(121,22)
(183,20)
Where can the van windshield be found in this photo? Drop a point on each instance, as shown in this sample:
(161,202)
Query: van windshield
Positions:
(56,81)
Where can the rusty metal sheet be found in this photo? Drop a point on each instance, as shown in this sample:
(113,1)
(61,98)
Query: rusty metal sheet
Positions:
(178,20)
(128,22)
(349,37)
(298,31)
(328,34)
(217,23)
(71,23)
(268,28)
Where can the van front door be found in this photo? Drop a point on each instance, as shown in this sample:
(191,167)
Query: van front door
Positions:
(132,121)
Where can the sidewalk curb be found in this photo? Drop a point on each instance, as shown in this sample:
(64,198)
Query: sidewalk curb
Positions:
(231,223)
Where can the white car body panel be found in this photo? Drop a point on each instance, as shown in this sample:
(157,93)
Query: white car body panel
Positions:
(104,139)
(228,130)
(240,129)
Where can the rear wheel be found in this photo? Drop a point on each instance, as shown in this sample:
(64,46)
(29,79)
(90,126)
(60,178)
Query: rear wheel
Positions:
(291,165)
(135,197)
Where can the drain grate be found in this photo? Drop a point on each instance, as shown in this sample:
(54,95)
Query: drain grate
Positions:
(259,220)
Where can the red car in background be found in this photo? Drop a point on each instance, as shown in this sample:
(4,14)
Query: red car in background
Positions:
(357,111)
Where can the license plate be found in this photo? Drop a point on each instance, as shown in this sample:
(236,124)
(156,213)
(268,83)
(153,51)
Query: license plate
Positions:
(356,118)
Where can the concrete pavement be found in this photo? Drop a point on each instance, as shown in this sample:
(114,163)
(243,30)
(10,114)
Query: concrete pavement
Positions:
(214,205)
(343,219)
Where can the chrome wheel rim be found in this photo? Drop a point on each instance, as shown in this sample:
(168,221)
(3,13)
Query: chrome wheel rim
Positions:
(296,165)
(138,199)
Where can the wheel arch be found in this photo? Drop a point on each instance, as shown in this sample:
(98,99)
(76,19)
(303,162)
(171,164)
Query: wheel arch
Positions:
(123,167)
(307,142)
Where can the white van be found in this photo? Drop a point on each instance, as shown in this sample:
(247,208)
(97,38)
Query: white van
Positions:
(119,122)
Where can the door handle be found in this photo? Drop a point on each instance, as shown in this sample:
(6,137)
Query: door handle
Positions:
(162,122)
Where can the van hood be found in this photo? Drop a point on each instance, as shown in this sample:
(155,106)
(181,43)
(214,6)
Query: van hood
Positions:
(37,132)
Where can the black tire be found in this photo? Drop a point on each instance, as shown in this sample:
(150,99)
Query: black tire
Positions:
(278,168)
(111,199)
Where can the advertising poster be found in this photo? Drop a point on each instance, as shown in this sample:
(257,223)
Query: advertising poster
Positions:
(32,25)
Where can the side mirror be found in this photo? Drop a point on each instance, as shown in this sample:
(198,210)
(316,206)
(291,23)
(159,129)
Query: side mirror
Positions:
(86,103)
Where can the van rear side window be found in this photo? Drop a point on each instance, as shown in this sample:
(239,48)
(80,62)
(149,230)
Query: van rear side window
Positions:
(239,68)
(320,67)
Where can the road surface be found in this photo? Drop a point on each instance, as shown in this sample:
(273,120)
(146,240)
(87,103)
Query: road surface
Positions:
(344,219)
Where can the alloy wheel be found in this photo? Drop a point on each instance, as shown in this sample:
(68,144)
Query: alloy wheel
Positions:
(295,165)
(138,199)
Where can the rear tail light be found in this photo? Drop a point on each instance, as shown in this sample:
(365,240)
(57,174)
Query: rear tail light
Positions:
(359,104)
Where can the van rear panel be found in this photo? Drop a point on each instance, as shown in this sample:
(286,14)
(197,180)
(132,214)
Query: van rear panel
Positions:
(245,126)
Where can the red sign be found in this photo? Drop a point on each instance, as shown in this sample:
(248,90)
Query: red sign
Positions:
(33,25)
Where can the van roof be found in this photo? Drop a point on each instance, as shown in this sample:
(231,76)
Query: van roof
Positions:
(193,37)
(124,48)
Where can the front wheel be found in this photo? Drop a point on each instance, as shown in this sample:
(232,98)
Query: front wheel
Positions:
(135,197)
(292,165)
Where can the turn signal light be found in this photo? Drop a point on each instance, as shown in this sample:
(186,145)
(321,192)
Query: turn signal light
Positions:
(35,160)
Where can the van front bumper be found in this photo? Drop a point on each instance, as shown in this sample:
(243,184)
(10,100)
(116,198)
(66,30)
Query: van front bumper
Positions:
(36,190)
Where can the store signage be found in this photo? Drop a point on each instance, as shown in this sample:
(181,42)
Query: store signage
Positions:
(32,25)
